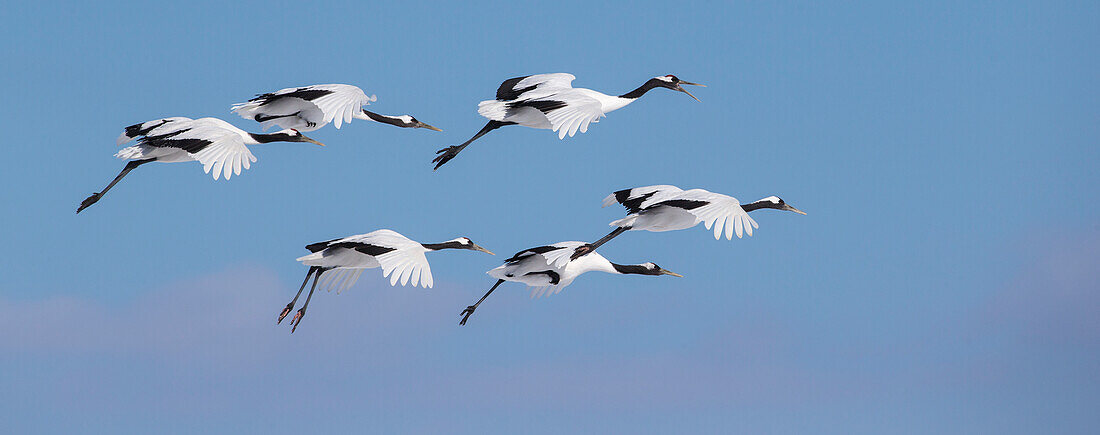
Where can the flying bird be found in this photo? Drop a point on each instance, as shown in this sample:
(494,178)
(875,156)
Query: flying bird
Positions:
(309,108)
(218,145)
(668,208)
(548,269)
(550,101)
(400,258)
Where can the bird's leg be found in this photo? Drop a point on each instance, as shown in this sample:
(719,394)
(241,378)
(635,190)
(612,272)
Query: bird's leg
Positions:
(585,249)
(470,309)
(302,311)
(290,306)
(87,202)
(446,154)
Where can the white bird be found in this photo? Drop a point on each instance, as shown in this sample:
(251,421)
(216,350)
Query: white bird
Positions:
(668,208)
(218,145)
(309,108)
(548,269)
(549,101)
(400,258)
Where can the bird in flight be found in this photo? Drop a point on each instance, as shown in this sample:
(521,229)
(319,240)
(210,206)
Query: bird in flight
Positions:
(400,258)
(549,101)
(218,145)
(669,208)
(309,108)
(548,269)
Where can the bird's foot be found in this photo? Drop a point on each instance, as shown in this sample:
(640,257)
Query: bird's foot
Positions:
(286,311)
(311,124)
(581,251)
(445,155)
(297,319)
(87,202)
(466,314)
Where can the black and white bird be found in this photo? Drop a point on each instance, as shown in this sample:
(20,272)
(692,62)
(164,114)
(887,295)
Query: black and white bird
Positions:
(218,145)
(549,101)
(548,269)
(668,208)
(401,259)
(309,108)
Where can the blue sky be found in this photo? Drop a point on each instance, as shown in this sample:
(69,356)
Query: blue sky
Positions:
(943,281)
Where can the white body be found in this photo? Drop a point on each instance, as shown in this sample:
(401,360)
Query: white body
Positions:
(656,212)
(582,106)
(405,264)
(225,155)
(342,105)
(556,261)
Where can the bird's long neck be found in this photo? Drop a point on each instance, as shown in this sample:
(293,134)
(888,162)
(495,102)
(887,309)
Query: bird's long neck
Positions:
(376,117)
(640,90)
(445,245)
(624,269)
(258,138)
(759,205)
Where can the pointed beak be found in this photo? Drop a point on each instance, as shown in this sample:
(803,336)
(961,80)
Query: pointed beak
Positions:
(678,88)
(789,208)
(692,84)
(475,247)
(306,139)
(665,272)
(429,127)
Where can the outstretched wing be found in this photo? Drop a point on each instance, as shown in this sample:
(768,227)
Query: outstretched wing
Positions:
(515,88)
(715,210)
(317,104)
(405,262)
(137,130)
(568,111)
(639,198)
(556,254)
(213,142)
(225,155)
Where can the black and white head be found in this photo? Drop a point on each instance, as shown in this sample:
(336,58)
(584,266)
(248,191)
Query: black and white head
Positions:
(644,269)
(672,82)
(408,121)
(459,243)
(777,203)
(290,135)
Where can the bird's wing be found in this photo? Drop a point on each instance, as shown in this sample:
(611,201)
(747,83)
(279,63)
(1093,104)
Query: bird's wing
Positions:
(335,102)
(715,210)
(405,262)
(137,130)
(342,103)
(568,111)
(211,141)
(515,88)
(639,198)
(556,254)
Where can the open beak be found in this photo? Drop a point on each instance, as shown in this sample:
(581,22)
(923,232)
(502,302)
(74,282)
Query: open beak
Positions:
(475,247)
(789,208)
(665,272)
(306,139)
(429,127)
(678,88)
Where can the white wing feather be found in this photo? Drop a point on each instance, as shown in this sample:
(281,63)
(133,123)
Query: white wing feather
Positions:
(405,263)
(579,112)
(721,212)
(660,192)
(560,257)
(226,154)
(338,107)
(544,81)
